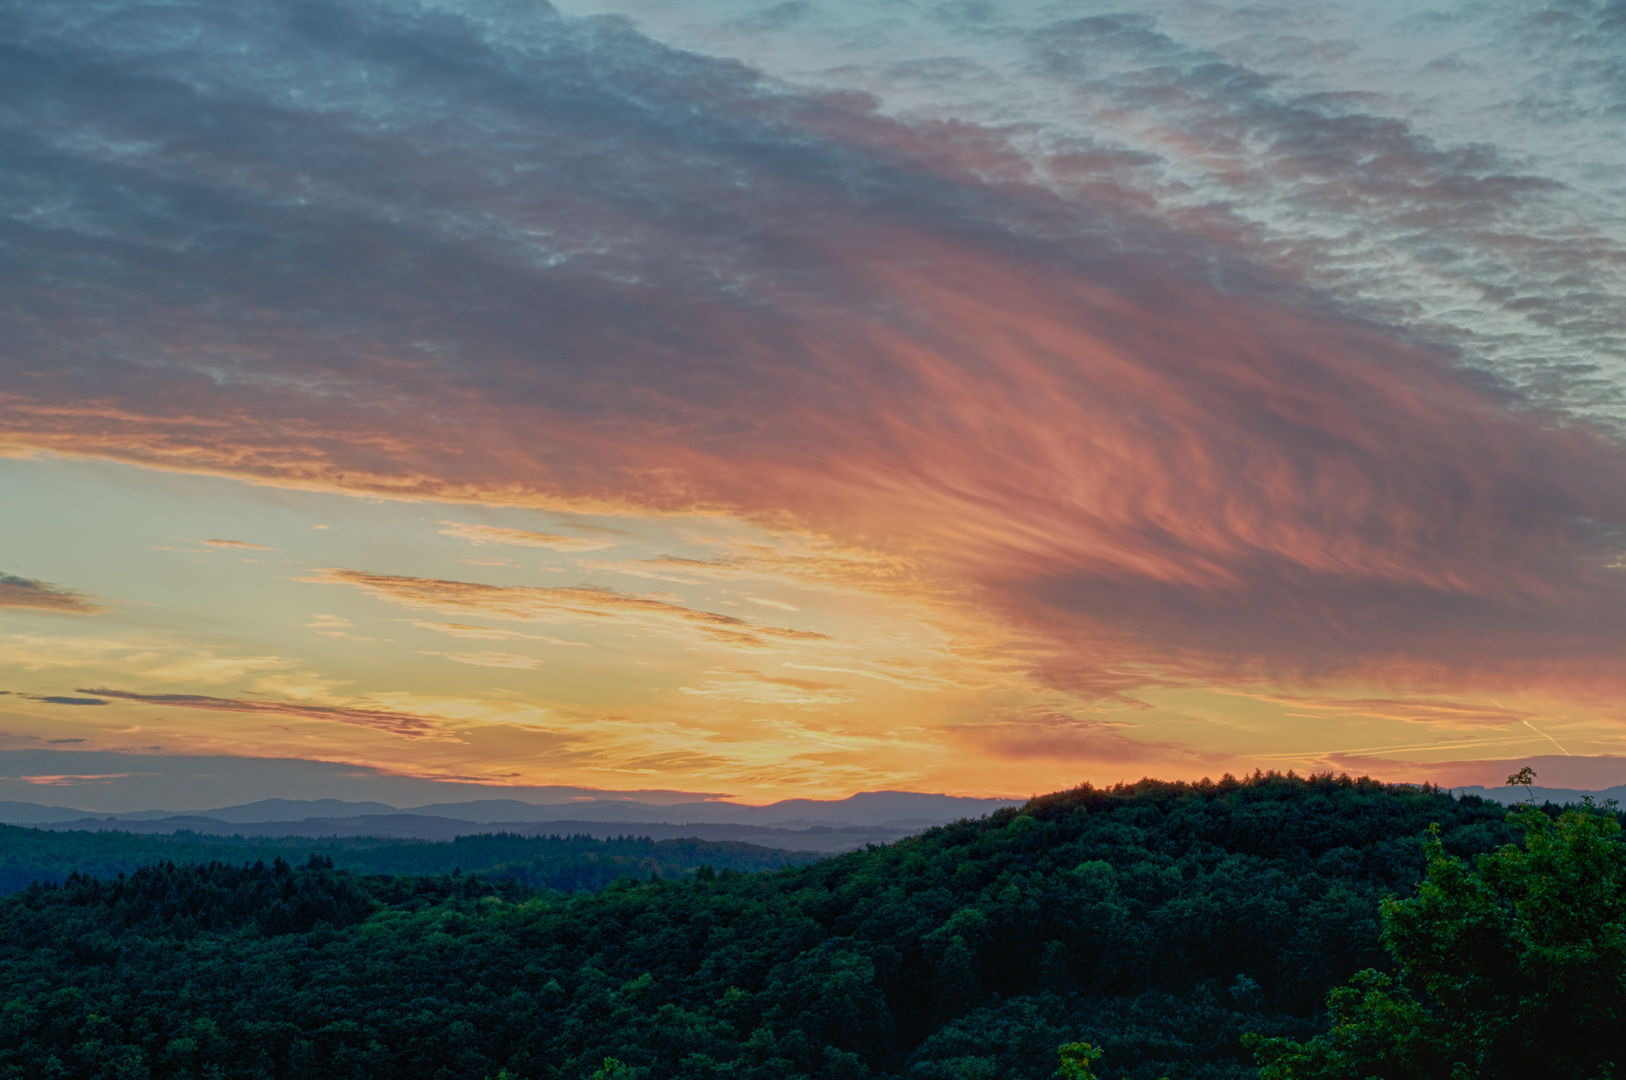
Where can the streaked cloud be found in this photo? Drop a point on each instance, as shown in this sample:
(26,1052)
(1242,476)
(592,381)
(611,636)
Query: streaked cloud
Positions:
(1038,733)
(21,592)
(73,780)
(330,625)
(204,668)
(494,659)
(1074,356)
(406,725)
(239,545)
(178,782)
(580,603)
(763,689)
(36,652)
(464,630)
(1412,710)
(492,534)
(485,633)
(761,601)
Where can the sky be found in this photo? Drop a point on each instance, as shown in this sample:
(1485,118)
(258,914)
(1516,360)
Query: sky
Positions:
(771,400)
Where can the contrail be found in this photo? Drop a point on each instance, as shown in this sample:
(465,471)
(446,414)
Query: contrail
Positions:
(1546,736)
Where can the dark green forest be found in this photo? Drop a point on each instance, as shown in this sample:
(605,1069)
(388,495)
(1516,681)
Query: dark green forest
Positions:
(565,863)
(1161,923)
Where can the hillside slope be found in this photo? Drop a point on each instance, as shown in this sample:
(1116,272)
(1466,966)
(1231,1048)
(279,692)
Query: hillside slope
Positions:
(1159,921)
(565,863)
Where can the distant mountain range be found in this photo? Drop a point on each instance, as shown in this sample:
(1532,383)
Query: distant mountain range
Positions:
(871,817)
(833,825)
(1560,796)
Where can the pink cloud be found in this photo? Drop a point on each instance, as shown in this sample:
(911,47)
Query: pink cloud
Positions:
(579,603)
(1047,735)
(1590,773)
(1144,438)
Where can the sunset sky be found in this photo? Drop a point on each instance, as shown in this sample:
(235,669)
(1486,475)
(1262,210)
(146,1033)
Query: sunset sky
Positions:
(796,399)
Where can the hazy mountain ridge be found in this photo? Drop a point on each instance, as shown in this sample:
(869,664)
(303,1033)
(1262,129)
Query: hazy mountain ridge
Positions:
(1558,796)
(906,809)
(823,839)
(801,824)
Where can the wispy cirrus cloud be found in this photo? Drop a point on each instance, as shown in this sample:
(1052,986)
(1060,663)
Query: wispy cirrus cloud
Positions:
(74,780)
(486,633)
(579,603)
(1419,709)
(239,545)
(405,724)
(764,689)
(492,534)
(21,592)
(1044,734)
(511,661)
(1143,335)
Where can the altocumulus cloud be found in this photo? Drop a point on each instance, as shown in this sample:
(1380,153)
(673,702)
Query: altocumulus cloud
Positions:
(484,249)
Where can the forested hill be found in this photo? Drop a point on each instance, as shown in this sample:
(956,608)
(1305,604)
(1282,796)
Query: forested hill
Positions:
(566,863)
(1158,921)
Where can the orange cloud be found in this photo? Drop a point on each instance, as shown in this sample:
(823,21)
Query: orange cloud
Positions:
(1148,442)
(1439,712)
(491,534)
(406,725)
(1045,734)
(69,780)
(20,592)
(580,603)
(494,659)
(485,633)
(756,687)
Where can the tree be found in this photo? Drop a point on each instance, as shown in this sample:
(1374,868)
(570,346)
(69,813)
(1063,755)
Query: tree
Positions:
(1076,1059)
(611,1070)
(1515,967)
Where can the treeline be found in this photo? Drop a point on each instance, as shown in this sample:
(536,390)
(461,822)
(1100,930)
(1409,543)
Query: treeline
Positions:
(565,863)
(1159,922)
(1508,967)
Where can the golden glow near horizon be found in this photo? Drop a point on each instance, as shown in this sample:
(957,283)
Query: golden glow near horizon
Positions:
(805,399)
(528,647)
(612,652)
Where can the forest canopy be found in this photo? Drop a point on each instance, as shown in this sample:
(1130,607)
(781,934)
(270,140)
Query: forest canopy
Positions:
(1513,967)
(1159,923)
(565,863)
